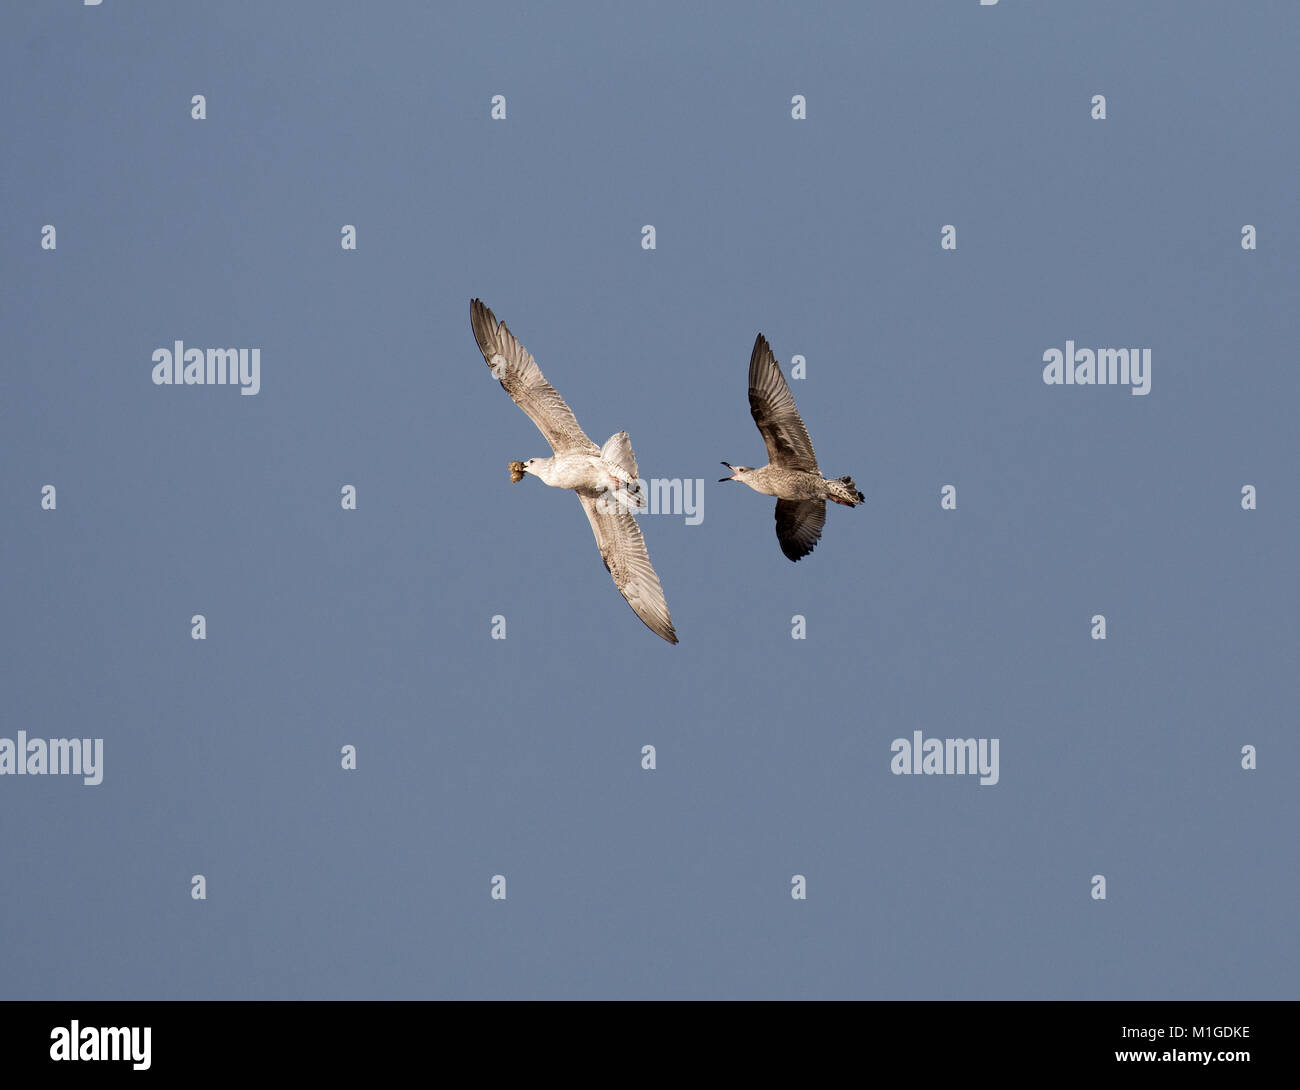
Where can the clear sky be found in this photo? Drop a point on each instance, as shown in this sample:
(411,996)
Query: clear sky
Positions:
(522,757)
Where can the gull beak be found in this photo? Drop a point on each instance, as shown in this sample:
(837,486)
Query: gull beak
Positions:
(731,478)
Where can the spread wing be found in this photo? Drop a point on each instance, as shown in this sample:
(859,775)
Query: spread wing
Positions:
(799,526)
(623,549)
(523,380)
(772,406)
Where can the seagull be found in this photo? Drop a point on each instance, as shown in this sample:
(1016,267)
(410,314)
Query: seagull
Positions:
(791,474)
(605,478)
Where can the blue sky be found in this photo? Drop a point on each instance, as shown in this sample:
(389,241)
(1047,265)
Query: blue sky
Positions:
(522,756)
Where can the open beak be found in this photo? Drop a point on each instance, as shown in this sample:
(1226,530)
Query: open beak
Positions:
(731,478)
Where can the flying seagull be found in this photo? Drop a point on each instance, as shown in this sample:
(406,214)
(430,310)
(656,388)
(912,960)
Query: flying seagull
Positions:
(791,474)
(605,478)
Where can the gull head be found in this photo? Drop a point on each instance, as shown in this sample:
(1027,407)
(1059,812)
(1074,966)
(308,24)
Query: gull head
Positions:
(736,471)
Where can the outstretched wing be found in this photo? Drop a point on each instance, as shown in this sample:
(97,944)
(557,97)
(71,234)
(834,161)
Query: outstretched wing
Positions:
(623,549)
(523,380)
(799,526)
(772,406)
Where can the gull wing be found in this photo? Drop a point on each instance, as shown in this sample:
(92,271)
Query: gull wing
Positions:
(799,526)
(772,406)
(623,549)
(523,380)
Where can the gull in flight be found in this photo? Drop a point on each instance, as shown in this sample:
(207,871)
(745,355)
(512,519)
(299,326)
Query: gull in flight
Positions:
(605,478)
(791,474)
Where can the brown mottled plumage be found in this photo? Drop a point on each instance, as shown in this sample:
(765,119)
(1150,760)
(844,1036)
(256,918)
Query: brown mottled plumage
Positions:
(791,473)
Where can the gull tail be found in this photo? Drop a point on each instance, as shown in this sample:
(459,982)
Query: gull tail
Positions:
(843,490)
